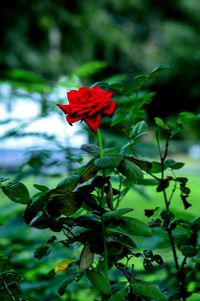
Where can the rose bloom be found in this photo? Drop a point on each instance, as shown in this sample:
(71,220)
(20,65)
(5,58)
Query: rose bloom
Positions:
(88,104)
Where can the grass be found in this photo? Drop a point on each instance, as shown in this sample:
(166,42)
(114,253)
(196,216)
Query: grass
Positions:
(141,198)
(146,197)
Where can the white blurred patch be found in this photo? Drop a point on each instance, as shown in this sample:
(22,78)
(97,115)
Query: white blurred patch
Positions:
(25,111)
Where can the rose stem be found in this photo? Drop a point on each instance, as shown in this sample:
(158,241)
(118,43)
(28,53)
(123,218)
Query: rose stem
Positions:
(100,143)
(103,225)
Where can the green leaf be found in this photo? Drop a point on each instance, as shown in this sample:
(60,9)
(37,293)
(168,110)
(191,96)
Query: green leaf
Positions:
(134,226)
(194,297)
(149,182)
(189,250)
(182,180)
(124,239)
(158,70)
(160,122)
(40,221)
(140,129)
(116,213)
(119,116)
(120,294)
(90,68)
(186,204)
(80,234)
(198,116)
(157,167)
(196,221)
(89,172)
(12,283)
(63,203)
(90,148)
(68,184)
(117,88)
(99,282)
(148,290)
(185,190)
(173,164)
(147,264)
(42,251)
(157,258)
(17,192)
(89,220)
(36,206)
(141,98)
(163,184)
(90,203)
(115,250)
(186,117)
(86,258)
(3,179)
(9,279)
(64,285)
(178,165)
(26,76)
(130,170)
(145,165)
(140,80)
(5,265)
(110,161)
(44,221)
(41,188)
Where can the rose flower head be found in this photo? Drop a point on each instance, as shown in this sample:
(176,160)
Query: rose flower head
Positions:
(88,104)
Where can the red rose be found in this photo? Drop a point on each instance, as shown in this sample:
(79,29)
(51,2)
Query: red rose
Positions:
(88,104)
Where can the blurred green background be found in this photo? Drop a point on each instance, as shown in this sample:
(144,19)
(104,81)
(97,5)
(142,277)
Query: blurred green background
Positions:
(130,36)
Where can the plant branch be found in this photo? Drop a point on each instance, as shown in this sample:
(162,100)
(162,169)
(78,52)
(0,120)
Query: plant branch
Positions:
(181,277)
(100,143)
(102,221)
(173,190)
(105,250)
(120,189)
(173,247)
(183,263)
(7,288)
(180,270)
(167,203)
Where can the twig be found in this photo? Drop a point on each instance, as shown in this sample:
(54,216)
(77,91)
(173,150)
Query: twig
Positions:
(105,250)
(180,270)
(7,288)
(173,249)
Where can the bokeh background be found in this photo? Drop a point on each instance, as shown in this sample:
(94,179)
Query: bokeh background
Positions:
(131,37)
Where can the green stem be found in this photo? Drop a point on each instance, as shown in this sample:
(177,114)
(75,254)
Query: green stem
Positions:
(105,251)
(103,225)
(180,270)
(100,143)
(162,159)
(8,291)
(173,247)
(99,137)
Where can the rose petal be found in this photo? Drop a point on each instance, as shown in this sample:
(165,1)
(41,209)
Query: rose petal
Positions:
(93,122)
(71,120)
(100,107)
(72,96)
(64,108)
(101,91)
(79,111)
(110,108)
(88,104)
